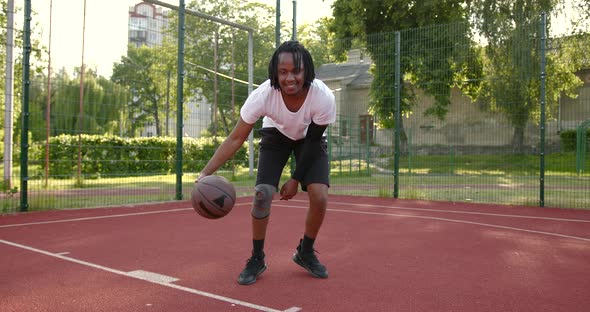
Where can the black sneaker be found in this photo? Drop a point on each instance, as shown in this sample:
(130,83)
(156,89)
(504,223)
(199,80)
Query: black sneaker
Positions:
(254,267)
(310,262)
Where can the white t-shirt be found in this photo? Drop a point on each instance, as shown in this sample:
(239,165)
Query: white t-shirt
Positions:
(319,106)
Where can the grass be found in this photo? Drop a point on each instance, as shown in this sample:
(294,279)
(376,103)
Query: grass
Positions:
(501,179)
(513,164)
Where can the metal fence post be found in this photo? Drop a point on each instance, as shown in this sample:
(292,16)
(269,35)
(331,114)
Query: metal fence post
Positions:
(542,121)
(24,154)
(397,86)
(179,115)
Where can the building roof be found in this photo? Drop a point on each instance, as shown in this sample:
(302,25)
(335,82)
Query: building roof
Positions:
(358,74)
(353,73)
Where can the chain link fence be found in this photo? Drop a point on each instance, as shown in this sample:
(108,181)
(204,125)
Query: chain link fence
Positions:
(433,113)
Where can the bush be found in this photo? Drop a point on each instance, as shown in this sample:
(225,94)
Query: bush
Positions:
(569,139)
(112,155)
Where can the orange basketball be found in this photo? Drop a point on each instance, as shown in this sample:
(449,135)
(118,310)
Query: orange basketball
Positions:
(213,197)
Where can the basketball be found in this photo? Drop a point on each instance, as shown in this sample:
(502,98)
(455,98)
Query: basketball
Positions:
(213,197)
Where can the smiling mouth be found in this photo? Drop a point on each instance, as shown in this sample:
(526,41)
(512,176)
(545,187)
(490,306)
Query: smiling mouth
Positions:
(291,87)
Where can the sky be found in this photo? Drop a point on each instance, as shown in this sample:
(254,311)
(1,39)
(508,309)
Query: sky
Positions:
(106,27)
(105,39)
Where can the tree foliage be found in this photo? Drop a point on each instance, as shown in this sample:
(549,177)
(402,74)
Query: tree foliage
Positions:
(319,41)
(103,100)
(512,32)
(499,66)
(144,71)
(36,62)
(375,21)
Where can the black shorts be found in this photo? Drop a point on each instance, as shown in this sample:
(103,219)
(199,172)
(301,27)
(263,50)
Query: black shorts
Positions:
(275,149)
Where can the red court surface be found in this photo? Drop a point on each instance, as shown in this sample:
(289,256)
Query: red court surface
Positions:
(382,255)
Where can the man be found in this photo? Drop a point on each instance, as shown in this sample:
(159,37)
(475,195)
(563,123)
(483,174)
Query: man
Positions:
(296,110)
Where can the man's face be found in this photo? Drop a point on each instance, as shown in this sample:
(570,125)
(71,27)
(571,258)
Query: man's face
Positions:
(291,79)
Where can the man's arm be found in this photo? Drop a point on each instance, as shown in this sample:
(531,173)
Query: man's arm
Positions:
(228,148)
(311,148)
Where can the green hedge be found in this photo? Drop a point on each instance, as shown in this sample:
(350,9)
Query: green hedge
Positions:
(568,140)
(112,155)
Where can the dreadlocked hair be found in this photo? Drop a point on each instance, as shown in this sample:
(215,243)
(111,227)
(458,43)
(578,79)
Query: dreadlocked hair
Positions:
(300,54)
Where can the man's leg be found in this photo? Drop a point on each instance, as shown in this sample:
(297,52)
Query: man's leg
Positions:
(259,228)
(255,265)
(274,152)
(305,254)
(318,202)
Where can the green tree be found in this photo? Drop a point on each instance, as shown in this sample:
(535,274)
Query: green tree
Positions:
(374,23)
(37,50)
(318,39)
(103,100)
(511,31)
(144,73)
(36,61)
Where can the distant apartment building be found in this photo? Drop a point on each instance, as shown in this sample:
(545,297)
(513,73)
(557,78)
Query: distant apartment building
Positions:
(146,24)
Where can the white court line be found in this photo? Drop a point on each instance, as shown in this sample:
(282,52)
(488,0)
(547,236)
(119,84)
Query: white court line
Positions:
(449,220)
(299,200)
(455,211)
(93,218)
(359,212)
(99,217)
(152,277)
(135,275)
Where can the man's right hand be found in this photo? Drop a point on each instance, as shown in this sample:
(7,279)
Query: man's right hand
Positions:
(201,175)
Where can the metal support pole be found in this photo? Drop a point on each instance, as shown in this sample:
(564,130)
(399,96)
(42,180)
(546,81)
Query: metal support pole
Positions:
(250,89)
(81,102)
(294,37)
(24,154)
(397,92)
(48,110)
(542,122)
(179,92)
(278,24)
(9,95)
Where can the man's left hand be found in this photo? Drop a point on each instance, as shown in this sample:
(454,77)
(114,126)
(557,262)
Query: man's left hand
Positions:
(289,189)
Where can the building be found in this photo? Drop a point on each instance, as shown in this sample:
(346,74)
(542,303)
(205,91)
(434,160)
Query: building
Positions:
(350,83)
(146,24)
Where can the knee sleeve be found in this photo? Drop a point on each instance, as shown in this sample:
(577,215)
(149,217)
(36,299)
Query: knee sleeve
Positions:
(262,200)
